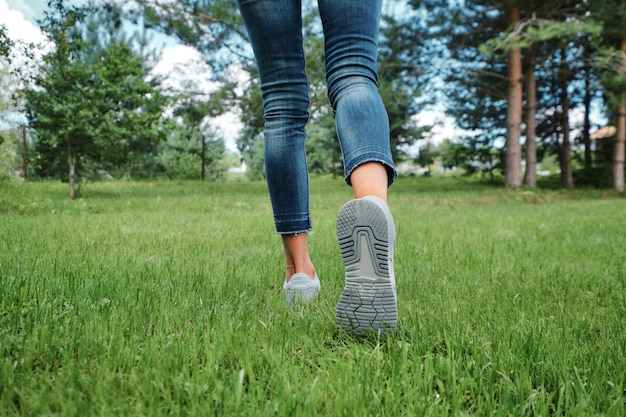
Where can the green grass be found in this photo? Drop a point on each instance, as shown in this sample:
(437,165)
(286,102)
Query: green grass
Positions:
(149,299)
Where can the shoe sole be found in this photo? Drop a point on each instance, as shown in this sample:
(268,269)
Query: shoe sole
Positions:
(366,236)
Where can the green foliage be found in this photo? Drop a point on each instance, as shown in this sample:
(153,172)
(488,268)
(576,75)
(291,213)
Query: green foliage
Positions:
(181,155)
(427,154)
(214,28)
(10,152)
(611,61)
(322,147)
(563,44)
(181,165)
(473,85)
(434,47)
(5,42)
(254,158)
(91,103)
(402,78)
(534,31)
(452,154)
(216,161)
(251,107)
(5,48)
(612,15)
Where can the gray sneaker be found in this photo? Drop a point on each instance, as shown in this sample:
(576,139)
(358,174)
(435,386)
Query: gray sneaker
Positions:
(301,288)
(367,239)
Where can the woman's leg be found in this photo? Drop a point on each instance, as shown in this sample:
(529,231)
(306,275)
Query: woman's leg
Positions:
(297,259)
(365,227)
(370,178)
(351,42)
(275,31)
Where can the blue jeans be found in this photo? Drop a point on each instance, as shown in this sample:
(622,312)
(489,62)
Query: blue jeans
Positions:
(351,52)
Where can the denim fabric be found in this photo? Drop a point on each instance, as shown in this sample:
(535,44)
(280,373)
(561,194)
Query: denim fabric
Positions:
(351,49)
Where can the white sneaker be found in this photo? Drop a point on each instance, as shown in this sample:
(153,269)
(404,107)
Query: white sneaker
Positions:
(367,237)
(301,288)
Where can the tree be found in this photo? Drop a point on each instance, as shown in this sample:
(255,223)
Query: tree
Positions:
(192,151)
(620,137)
(483,41)
(530,174)
(612,14)
(452,154)
(403,77)
(526,34)
(514,103)
(5,48)
(546,28)
(255,161)
(10,152)
(90,104)
(565,154)
(474,84)
(215,29)
(181,155)
(482,84)
(426,156)
(13,138)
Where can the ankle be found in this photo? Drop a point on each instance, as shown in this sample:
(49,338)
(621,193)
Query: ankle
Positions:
(308,270)
(289,271)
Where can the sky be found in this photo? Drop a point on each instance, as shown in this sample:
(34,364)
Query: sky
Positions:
(19,16)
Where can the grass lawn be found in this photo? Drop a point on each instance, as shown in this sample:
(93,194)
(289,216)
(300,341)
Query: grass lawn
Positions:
(164,298)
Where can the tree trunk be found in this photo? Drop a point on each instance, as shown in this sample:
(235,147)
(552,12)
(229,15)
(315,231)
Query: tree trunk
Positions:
(620,135)
(203,157)
(565,157)
(530,176)
(71,162)
(514,111)
(24,154)
(618,160)
(587,120)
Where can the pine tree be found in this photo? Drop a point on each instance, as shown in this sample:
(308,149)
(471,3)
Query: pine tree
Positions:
(90,104)
(612,46)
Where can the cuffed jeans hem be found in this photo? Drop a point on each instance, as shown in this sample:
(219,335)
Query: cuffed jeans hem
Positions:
(295,233)
(370,156)
(292,227)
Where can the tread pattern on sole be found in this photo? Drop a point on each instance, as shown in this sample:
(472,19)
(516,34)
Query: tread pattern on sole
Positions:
(368,301)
